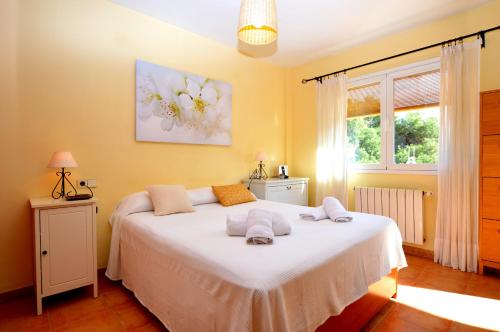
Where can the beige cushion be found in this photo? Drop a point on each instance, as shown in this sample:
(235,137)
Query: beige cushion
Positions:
(233,194)
(168,199)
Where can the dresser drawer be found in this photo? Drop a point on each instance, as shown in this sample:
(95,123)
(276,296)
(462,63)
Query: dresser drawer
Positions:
(491,198)
(491,156)
(291,190)
(490,240)
(490,113)
(289,193)
(288,187)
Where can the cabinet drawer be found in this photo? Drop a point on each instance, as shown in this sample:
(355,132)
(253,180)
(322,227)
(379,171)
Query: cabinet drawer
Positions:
(490,240)
(490,113)
(491,198)
(288,187)
(491,156)
(290,193)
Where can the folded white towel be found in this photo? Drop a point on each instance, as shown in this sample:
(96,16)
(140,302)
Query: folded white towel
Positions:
(236,225)
(314,213)
(260,227)
(281,226)
(335,210)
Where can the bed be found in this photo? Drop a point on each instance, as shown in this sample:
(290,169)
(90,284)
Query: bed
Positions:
(193,277)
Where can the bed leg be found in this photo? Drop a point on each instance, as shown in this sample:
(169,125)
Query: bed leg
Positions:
(396,279)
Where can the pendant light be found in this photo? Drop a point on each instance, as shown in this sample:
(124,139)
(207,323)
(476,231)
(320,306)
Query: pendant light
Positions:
(258,24)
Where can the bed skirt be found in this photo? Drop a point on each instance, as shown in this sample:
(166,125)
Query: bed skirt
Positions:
(356,315)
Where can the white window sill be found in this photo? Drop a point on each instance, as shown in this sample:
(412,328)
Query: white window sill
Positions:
(394,171)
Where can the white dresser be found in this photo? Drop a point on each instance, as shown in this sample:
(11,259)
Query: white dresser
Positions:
(64,244)
(291,190)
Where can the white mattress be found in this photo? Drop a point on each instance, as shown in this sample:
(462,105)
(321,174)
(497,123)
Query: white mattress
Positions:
(193,277)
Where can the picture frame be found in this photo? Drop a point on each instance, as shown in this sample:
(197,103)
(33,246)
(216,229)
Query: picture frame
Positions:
(173,106)
(283,171)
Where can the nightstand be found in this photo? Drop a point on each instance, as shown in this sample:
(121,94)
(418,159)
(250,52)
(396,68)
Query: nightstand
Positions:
(291,190)
(65,246)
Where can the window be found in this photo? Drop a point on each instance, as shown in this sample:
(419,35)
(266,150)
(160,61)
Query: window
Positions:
(393,119)
(364,131)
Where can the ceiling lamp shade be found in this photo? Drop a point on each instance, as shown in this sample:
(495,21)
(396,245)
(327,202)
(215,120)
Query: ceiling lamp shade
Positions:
(258,25)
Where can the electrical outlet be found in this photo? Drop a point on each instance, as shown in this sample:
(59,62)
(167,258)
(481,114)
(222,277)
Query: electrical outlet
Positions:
(83,183)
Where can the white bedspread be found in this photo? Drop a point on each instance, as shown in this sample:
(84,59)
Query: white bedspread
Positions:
(193,277)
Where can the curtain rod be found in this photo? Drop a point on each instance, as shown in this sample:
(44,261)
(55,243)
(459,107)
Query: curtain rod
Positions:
(481,34)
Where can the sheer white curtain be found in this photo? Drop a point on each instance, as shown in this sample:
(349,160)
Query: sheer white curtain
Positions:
(457,212)
(331,152)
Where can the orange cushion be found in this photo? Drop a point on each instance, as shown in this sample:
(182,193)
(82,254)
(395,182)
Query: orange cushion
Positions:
(233,194)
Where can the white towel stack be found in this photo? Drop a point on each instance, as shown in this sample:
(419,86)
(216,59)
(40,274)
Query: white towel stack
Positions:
(314,213)
(331,208)
(259,226)
(335,210)
(236,224)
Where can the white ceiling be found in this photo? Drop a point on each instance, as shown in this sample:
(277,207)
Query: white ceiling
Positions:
(308,29)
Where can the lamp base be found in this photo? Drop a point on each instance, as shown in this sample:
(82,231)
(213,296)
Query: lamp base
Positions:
(259,173)
(62,180)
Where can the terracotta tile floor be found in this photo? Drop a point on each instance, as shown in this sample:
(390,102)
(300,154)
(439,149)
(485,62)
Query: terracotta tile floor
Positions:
(116,309)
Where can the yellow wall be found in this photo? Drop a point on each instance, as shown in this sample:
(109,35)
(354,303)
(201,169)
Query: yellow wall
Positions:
(75,91)
(67,83)
(301,130)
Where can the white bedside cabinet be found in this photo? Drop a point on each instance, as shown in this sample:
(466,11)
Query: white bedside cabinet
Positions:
(65,246)
(291,190)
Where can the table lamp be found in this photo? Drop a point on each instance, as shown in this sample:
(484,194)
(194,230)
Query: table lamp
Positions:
(62,160)
(260,172)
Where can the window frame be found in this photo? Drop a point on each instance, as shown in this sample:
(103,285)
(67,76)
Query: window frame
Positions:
(391,164)
(383,139)
(386,79)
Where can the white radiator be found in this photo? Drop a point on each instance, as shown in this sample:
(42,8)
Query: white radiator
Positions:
(404,206)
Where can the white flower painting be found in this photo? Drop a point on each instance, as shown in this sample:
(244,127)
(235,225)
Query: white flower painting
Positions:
(177,107)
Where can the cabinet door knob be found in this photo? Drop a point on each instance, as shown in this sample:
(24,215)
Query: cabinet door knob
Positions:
(44,252)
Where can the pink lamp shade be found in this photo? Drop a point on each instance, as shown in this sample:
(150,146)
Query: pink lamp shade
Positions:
(62,159)
(261,156)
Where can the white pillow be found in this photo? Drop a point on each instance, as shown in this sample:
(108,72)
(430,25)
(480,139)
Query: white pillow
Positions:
(203,195)
(133,203)
(141,202)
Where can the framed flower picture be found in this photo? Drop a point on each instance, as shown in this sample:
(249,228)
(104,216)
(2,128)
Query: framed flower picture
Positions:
(178,107)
